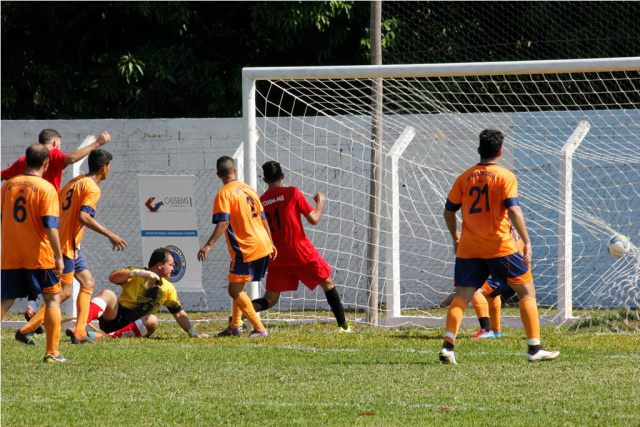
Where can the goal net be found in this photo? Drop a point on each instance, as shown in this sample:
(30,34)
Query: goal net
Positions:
(572,138)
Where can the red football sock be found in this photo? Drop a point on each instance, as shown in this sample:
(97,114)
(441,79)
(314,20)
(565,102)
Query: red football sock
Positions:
(135,329)
(96,308)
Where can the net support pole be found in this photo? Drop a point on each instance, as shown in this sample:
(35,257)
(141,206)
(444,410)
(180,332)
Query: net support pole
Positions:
(565,219)
(249,160)
(69,306)
(392,287)
(375,186)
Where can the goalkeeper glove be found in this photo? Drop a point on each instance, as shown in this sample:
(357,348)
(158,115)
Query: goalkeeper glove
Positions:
(146,274)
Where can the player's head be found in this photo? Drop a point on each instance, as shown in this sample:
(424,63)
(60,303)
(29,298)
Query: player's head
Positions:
(37,157)
(490,143)
(50,137)
(272,172)
(161,262)
(100,162)
(225,167)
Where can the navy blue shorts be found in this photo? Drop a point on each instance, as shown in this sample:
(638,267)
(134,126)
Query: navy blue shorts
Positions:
(473,272)
(72,266)
(495,288)
(29,283)
(252,271)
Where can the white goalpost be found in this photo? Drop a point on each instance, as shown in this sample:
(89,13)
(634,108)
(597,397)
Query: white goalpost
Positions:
(572,138)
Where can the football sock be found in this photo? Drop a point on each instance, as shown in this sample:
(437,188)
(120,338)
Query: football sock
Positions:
(485,324)
(4,311)
(529,316)
(135,329)
(96,309)
(333,298)
(245,306)
(52,318)
(260,304)
(236,316)
(495,304)
(454,318)
(84,299)
(36,321)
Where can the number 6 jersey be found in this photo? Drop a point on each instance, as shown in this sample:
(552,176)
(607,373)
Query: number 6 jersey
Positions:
(484,192)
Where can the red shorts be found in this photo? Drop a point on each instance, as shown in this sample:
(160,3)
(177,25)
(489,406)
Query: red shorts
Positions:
(283,279)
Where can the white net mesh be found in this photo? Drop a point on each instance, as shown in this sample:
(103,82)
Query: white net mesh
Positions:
(320,131)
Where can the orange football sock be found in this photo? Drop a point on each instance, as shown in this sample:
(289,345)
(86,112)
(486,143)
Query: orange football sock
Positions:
(82,304)
(454,318)
(236,316)
(4,311)
(530,320)
(36,321)
(246,307)
(52,318)
(480,305)
(495,304)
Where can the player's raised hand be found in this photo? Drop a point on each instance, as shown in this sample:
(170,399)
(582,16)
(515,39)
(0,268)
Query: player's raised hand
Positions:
(117,242)
(319,198)
(103,138)
(202,253)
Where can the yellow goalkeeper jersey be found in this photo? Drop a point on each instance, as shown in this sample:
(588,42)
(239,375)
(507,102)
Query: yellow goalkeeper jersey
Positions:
(146,298)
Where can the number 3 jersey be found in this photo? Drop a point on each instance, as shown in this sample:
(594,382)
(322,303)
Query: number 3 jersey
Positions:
(283,207)
(29,204)
(484,192)
(80,194)
(247,239)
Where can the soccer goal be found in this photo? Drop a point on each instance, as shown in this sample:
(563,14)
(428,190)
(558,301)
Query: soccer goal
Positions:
(572,138)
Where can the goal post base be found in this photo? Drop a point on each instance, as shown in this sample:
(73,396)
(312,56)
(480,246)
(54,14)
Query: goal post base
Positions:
(513,321)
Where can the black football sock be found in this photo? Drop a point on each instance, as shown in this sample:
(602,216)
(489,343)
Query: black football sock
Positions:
(261,303)
(485,323)
(333,298)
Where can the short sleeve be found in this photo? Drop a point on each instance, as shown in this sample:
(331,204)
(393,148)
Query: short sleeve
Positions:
(302,205)
(56,157)
(221,208)
(49,207)
(90,200)
(18,167)
(454,199)
(171,302)
(510,190)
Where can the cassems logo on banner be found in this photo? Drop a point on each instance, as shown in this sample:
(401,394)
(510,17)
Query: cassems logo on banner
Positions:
(151,206)
(181,264)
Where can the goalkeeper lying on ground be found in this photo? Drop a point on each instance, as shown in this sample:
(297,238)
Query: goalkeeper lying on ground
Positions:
(143,293)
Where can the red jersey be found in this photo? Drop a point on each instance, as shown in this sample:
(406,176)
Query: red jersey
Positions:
(53,173)
(29,205)
(484,192)
(283,207)
(247,239)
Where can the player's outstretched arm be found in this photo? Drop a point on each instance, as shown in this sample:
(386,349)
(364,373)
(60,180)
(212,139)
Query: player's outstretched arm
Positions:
(315,215)
(120,276)
(91,223)
(183,320)
(221,227)
(81,153)
(517,220)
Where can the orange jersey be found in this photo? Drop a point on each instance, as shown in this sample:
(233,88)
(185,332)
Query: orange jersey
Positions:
(81,194)
(484,192)
(29,205)
(247,239)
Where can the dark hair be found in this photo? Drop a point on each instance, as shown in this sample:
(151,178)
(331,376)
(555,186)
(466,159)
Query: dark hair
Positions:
(490,143)
(97,159)
(47,135)
(225,165)
(36,155)
(159,255)
(272,171)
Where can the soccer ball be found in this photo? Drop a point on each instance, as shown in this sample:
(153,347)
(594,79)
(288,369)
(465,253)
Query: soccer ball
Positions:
(618,245)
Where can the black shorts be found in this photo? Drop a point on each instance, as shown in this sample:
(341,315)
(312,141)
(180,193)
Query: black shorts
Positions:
(124,317)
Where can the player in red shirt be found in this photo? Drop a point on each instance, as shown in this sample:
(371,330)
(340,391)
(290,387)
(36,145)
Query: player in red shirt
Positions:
(488,196)
(298,260)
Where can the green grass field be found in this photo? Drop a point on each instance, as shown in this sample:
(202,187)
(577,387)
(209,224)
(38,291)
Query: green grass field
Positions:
(311,375)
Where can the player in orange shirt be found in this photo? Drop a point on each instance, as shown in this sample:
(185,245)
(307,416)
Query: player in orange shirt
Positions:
(238,214)
(31,255)
(78,201)
(488,196)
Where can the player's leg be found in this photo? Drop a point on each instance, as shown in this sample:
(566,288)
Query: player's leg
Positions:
(470,274)
(143,327)
(51,288)
(6,305)
(87,283)
(481,307)
(239,274)
(36,322)
(495,306)
(269,299)
(333,298)
(103,306)
(243,302)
